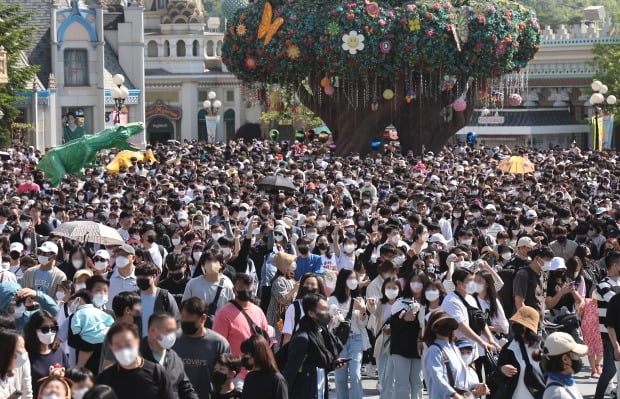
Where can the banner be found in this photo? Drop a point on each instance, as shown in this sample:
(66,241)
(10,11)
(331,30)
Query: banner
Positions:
(608,130)
(597,133)
(212,123)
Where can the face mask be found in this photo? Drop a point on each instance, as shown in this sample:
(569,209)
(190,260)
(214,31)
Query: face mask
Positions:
(80,286)
(477,214)
(27,241)
(506,255)
(431,295)
(303,250)
(468,358)
(467,241)
(167,341)
(99,300)
(80,197)
(245,362)
(278,237)
(352,284)
(196,255)
(391,293)
(183,223)
(457,215)
(89,215)
(244,296)
(430,269)
(225,251)
(122,261)
(348,248)
(399,260)
(546,266)
(480,288)
(321,223)
(323,318)
(188,328)
(143,283)
(20,359)
(576,365)
(471,287)
(312,236)
(24,225)
(416,286)
(46,339)
(549,221)
(424,237)
(44,260)
(127,356)
(77,263)
(216,236)
(60,295)
(79,393)
(101,265)
(395,238)
(218,378)
(176,241)
(322,247)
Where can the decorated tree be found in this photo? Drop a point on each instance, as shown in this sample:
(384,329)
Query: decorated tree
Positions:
(362,65)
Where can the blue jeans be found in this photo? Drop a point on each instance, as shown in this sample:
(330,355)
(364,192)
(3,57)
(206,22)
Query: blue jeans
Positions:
(349,378)
(609,368)
(385,368)
(407,378)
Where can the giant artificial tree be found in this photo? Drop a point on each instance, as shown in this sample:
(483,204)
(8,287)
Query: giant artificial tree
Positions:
(362,65)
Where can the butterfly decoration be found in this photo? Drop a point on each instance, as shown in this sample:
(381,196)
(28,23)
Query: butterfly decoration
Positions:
(267,28)
(460,29)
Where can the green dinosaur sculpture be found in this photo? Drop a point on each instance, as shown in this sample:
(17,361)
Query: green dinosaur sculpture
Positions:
(73,156)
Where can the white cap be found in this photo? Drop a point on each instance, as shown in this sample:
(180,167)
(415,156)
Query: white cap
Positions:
(49,246)
(437,237)
(182,215)
(526,242)
(531,214)
(102,253)
(16,246)
(490,207)
(557,263)
(559,343)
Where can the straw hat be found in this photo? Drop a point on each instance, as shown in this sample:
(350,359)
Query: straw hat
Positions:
(528,317)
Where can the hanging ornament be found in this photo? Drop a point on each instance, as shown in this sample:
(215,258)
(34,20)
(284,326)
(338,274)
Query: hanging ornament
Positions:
(376,145)
(274,135)
(310,134)
(323,137)
(374,104)
(459,104)
(329,90)
(300,136)
(514,100)
(410,96)
(388,94)
(325,82)
(485,112)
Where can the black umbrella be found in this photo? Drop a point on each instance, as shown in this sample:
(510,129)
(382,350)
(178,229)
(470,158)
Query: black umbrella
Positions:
(275,183)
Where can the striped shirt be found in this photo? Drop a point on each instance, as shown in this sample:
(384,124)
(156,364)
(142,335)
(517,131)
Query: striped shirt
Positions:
(605,290)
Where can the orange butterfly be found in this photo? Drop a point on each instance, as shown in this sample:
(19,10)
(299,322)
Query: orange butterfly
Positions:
(267,29)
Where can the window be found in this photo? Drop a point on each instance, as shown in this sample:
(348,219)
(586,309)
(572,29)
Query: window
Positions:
(152,49)
(76,67)
(180,48)
(166,48)
(161,4)
(230,96)
(195,48)
(210,51)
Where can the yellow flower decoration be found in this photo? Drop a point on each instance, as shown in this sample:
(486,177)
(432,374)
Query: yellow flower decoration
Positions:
(293,52)
(241,29)
(414,24)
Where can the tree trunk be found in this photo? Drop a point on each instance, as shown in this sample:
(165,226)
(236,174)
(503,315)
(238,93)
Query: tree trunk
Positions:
(427,122)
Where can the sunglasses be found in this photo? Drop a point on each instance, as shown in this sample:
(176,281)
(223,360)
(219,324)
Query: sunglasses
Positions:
(98,259)
(45,253)
(47,330)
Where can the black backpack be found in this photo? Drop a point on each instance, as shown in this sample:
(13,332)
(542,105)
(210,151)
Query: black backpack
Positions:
(281,355)
(477,318)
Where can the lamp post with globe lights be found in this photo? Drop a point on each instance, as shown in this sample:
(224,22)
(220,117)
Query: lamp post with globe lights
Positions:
(212,108)
(119,94)
(600,105)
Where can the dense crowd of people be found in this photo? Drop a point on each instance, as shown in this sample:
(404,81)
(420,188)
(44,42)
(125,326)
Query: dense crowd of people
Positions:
(435,272)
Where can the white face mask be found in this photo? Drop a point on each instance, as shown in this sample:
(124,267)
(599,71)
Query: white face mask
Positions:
(431,295)
(352,284)
(471,287)
(312,236)
(348,248)
(468,358)
(321,223)
(546,266)
(167,341)
(46,339)
(243,214)
(196,255)
(24,225)
(101,265)
(225,251)
(399,260)
(79,393)
(20,359)
(216,236)
(477,214)
(80,286)
(60,295)
(467,241)
(77,263)
(99,300)
(549,221)
(396,238)
(44,260)
(183,223)
(416,286)
(506,255)
(391,293)
(122,261)
(176,241)
(126,357)
(480,288)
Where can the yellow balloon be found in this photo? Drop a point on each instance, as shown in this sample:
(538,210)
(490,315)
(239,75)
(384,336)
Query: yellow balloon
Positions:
(388,94)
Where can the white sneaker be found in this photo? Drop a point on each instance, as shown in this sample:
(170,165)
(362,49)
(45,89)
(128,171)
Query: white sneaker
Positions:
(612,387)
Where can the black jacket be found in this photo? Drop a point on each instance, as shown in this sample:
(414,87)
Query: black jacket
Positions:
(404,337)
(175,372)
(300,371)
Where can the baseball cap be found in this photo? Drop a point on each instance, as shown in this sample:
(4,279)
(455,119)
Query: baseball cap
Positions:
(557,263)
(82,272)
(49,246)
(526,242)
(437,237)
(16,246)
(128,249)
(531,214)
(559,343)
(600,210)
(102,253)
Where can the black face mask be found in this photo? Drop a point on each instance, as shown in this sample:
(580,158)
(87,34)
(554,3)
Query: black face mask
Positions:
(177,276)
(581,240)
(14,255)
(322,247)
(309,290)
(143,283)
(244,296)
(323,319)
(218,378)
(189,327)
(562,239)
(150,239)
(245,362)
(303,250)
(576,365)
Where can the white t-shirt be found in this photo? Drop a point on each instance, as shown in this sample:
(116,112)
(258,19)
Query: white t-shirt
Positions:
(330,263)
(345,261)
(289,318)
(454,306)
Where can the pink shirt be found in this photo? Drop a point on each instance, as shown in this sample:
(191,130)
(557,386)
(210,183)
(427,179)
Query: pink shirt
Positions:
(232,325)
(24,187)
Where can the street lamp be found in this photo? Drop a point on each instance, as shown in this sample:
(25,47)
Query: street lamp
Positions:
(601,105)
(1,114)
(211,107)
(119,94)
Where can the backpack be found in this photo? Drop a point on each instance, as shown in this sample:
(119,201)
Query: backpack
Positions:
(281,355)
(162,295)
(477,318)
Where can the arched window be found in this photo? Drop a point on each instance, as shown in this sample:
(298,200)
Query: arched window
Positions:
(195,48)
(219,48)
(210,51)
(180,48)
(152,49)
(229,123)
(166,48)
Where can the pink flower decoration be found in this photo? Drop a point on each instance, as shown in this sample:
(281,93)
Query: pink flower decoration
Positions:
(411,7)
(459,105)
(385,47)
(293,17)
(430,32)
(329,90)
(514,100)
(447,6)
(436,6)
(278,12)
(391,14)
(382,22)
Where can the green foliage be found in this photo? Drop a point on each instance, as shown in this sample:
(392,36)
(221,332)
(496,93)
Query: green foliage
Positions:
(558,12)
(15,36)
(477,39)
(212,8)
(606,58)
